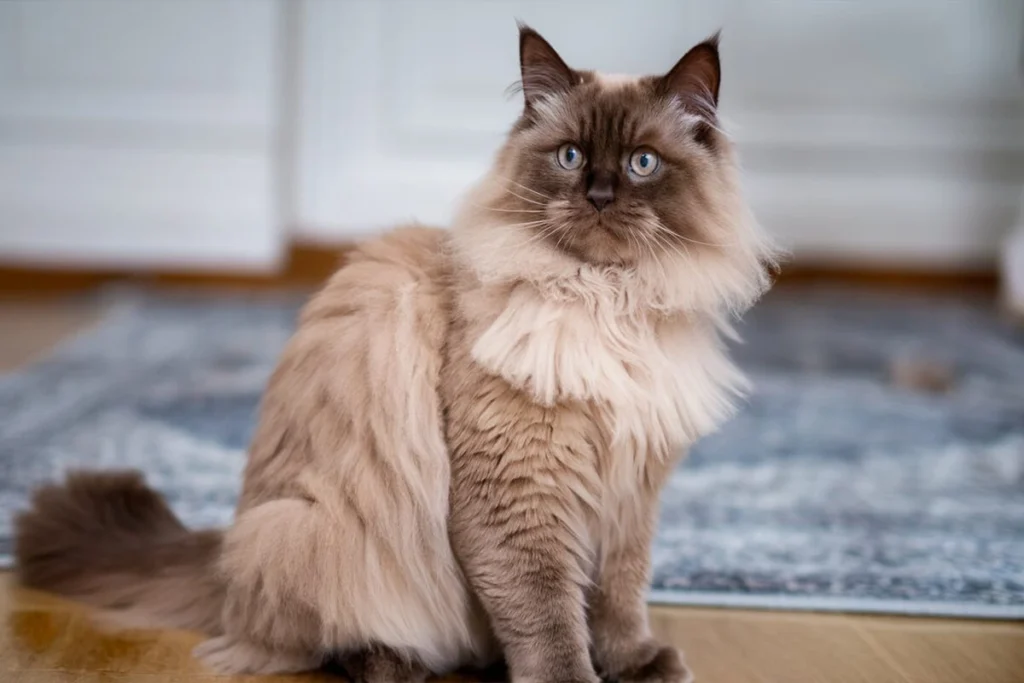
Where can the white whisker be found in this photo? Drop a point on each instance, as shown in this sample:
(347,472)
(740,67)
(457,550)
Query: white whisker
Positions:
(665,239)
(666,246)
(653,238)
(528,189)
(650,242)
(524,224)
(558,243)
(546,233)
(501,210)
(525,199)
(657,225)
(707,244)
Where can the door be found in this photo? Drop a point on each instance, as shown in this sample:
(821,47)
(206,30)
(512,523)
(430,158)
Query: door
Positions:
(140,133)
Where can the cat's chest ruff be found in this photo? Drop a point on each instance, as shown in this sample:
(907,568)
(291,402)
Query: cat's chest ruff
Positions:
(658,382)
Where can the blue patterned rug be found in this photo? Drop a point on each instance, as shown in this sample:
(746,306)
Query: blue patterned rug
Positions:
(834,489)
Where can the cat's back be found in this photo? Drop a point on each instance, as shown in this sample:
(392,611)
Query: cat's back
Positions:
(360,375)
(406,264)
(349,461)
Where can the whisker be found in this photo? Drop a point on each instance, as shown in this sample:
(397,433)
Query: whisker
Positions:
(665,245)
(657,225)
(558,243)
(629,241)
(528,189)
(508,226)
(525,199)
(649,241)
(524,224)
(665,239)
(500,210)
(707,244)
(546,233)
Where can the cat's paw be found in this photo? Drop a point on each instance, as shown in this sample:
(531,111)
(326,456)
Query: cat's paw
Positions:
(657,664)
(381,664)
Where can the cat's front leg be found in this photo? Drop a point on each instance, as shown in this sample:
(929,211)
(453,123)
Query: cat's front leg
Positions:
(515,527)
(522,564)
(624,649)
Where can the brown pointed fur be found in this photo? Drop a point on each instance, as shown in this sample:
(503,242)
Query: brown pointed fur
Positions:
(461,450)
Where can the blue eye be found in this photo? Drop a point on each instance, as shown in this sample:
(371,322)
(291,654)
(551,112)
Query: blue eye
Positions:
(570,157)
(644,161)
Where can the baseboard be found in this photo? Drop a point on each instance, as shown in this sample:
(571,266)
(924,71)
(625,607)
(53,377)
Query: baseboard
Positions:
(1012,273)
(889,276)
(305,266)
(309,264)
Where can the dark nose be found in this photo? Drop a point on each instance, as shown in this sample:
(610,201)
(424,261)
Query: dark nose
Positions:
(601,189)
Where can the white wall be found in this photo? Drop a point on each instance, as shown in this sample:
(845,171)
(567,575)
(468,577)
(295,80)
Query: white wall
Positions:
(140,133)
(1011,265)
(885,129)
(151,132)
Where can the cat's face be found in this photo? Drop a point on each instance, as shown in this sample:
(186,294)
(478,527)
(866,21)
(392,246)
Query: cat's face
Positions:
(612,169)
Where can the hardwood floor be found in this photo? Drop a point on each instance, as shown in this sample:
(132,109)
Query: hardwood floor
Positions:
(44,639)
(31,327)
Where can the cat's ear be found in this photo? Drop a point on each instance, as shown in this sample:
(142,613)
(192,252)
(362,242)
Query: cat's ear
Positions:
(696,77)
(543,71)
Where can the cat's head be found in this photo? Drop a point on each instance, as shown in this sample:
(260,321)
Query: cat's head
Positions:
(633,172)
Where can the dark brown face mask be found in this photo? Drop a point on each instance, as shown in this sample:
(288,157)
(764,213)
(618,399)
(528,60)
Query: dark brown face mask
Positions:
(612,168)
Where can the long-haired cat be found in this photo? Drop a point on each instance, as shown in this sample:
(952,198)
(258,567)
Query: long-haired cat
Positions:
(459,455)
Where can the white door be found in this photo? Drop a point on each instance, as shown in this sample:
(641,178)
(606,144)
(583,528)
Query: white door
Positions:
(892,129)
(140,132)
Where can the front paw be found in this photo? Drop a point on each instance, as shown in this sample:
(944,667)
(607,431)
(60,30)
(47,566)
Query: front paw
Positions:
(655,663)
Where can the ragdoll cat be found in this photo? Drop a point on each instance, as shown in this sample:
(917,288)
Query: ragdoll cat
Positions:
(459,455)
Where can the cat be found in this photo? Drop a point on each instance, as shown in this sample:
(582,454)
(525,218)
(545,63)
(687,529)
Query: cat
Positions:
(459,455)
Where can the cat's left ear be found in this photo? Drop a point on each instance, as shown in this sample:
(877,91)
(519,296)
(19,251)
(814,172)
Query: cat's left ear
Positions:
(696,77)
(544,72)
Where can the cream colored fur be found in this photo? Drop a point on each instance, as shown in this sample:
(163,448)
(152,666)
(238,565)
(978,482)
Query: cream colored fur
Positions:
(642,342)
(364,517)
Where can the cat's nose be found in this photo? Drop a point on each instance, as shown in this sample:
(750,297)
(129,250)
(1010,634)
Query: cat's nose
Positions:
(601,191)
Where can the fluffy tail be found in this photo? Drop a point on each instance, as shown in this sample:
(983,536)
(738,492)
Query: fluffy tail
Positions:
(107,539)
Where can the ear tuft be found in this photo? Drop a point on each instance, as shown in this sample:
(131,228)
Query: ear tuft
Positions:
(695,79)
(543,71)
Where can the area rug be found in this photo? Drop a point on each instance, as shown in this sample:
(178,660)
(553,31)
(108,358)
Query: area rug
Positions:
(834,488)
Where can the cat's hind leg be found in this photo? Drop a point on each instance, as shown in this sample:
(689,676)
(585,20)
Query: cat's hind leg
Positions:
(270,619)
(305,581)
(382,664)
(229,656)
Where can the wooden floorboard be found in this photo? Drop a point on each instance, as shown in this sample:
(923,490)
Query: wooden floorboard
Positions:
(47,639)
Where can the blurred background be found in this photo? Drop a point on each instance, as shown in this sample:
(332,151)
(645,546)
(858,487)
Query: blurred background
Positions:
(213,134)
(878,467)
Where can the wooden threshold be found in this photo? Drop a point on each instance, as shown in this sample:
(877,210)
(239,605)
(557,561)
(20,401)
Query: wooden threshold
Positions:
(305,266)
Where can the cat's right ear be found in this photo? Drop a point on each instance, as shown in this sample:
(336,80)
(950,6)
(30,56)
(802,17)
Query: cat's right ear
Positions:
(696,78)
(543,71)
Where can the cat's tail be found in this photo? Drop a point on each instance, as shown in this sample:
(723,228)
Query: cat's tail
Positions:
(107,539)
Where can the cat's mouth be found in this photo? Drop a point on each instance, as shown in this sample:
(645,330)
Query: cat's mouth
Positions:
(600,240)
(612,226)
(603,237)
